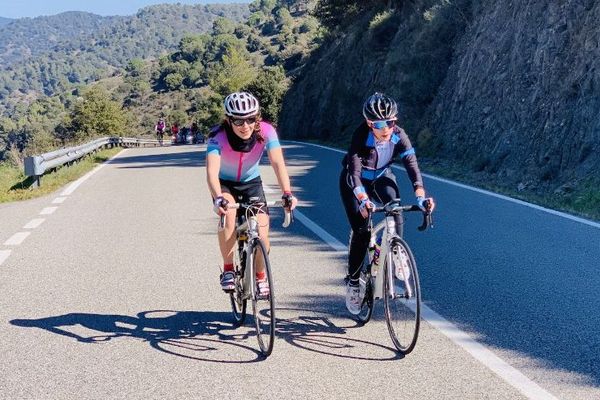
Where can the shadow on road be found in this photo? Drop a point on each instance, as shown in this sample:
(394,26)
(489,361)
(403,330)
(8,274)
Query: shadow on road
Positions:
(203,336)
(200,336)
(193,159)
(317,333)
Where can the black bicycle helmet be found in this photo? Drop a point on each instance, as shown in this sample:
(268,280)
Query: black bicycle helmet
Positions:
(380,107)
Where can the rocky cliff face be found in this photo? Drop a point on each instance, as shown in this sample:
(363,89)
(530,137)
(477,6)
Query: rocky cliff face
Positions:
(522,96)
(511,88)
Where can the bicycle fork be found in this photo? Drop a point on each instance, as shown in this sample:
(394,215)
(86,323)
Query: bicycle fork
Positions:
(386,256)
(249,280)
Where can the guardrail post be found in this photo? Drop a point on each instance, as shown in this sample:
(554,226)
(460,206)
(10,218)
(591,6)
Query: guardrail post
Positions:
(34,169)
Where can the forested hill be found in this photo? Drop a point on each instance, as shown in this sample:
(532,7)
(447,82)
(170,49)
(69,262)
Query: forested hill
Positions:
(48,54)
(29,37)
(4,21)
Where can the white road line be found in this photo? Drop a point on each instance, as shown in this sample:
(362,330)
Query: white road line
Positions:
(59,200)
(17,239)
(482,354)
(320,232)
(73,186)
(485,356)
(34,223)
(4,255)
(48,210)
(482,191)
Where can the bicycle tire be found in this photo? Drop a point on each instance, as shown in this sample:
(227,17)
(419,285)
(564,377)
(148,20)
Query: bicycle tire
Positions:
(238,305)
(403,311)
(263,308)
(366,308)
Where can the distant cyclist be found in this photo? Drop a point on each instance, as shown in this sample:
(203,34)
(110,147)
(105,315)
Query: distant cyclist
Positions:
(234,150)
(159,128)
(196,133)
(174,132)
(366,175)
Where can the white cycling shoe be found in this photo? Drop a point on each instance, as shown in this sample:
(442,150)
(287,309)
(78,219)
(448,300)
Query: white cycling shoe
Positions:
(353,299)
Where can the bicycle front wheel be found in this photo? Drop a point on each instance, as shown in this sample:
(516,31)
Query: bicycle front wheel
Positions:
(238,303)
(263,307)
(366,288)
(402,297)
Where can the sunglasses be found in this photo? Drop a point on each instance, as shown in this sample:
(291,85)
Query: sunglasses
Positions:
(242,121)
(383,124)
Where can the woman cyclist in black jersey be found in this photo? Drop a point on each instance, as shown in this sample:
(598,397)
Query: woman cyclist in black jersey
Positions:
(367,175)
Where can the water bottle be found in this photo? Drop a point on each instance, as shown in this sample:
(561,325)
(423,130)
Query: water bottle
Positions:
(375,262)
(371,248)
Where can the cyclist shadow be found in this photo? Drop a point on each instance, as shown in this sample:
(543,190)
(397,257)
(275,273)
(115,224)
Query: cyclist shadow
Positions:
(201,336)
(316,332)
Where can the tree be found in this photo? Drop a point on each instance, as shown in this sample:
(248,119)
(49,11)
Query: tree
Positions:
(269,87)
(266,6)
(95,114)
(174,81)
(210,109)
(283,17)
(233,73)
(223,26)
(192,47)
(334,14)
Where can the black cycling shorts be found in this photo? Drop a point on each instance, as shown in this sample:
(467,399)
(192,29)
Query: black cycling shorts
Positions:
(243,191)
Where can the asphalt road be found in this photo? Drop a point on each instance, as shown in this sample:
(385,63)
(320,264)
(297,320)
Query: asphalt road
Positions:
(112,292)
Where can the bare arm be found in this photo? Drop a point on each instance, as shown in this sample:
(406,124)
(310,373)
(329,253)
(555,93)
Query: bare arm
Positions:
(213,165)
(278,164)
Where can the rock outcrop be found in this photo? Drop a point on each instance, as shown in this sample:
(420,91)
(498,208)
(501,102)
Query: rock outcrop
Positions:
(511,88)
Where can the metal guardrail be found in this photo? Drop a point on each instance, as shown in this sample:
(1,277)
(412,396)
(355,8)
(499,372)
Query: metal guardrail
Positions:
(36,166)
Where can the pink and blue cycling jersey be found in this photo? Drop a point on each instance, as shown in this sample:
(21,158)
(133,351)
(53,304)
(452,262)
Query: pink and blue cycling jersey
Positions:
(238,166)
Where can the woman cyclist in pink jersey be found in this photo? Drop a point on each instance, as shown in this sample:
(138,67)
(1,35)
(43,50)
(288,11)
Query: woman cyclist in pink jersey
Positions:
(234,150)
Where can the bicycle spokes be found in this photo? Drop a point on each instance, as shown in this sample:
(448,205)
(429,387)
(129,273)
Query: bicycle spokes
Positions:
(263,303)
(402,297)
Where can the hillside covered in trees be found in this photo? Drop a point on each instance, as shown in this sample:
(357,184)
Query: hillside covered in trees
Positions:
(48,55)
(184,82)
(4,21)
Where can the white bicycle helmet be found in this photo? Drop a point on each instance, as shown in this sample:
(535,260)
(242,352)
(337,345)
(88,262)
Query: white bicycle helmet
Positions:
(241,105)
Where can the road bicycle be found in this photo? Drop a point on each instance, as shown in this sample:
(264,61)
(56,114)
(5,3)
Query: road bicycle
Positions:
(249,254)
(159,137)
(396,281)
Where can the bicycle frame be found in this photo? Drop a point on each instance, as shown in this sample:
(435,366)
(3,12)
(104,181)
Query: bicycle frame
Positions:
(388,226)
(249,230)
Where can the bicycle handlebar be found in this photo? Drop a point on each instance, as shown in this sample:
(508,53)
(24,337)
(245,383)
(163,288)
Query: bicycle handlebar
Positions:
(394,207)
(288,217)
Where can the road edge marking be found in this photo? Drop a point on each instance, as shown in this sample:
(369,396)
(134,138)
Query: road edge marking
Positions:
(4,254)
(34,223)
(74,185)
(17,239)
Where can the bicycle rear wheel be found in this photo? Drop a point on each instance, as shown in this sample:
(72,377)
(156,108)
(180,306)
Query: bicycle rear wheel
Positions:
(263,307)
(402,297)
